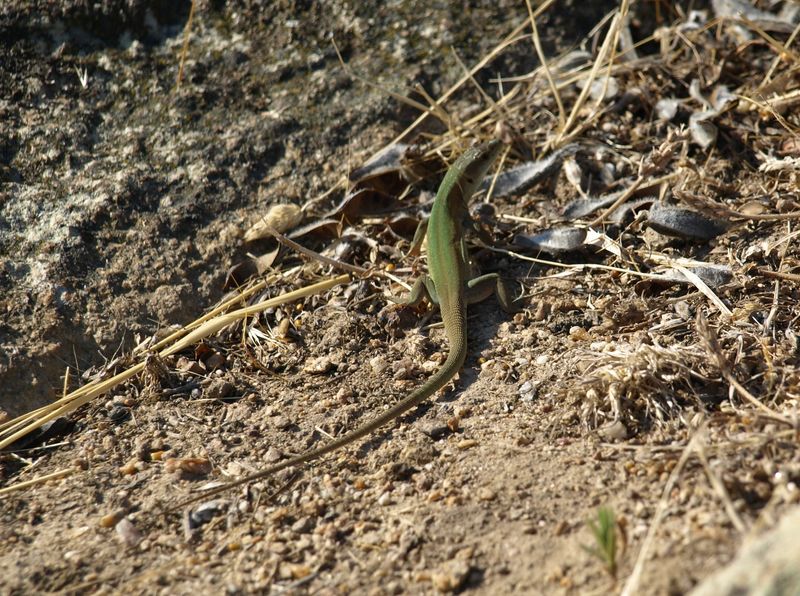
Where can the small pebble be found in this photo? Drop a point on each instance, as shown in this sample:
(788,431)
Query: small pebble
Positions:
(486,494)
(130,468)
(128,533)
(109,520)
(303,525)
(219,389)
(450,576)
(196,466)
(319,366)
(281,422)
(616,431)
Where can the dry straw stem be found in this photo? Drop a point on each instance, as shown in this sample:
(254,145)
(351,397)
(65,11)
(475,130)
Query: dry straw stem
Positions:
(510,39)
(779,275)
(785,241)
(20,420)
(226,305)
(572,266)
(791,215)
(778,59)
(34,481)
(609,46)
(292,245)
(656,161)
(501,162)
(616,249)
(782,50)
(497,108)
(632,583)
(185,49)
(435,108)
(355,270)
(85,394)
(774,104)
(537,44)
(703,287)
(444,141)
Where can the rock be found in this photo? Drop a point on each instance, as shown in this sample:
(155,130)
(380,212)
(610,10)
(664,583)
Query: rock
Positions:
(770,564)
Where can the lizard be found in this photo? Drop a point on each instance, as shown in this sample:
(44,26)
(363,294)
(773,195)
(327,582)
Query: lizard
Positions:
(447,285)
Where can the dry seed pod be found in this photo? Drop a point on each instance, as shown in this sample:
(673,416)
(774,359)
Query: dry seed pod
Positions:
(621,213)
(682,223)
(522,177)
(573,172)
(388,159)
(582,207)
(711,275)
(554,241)
(324,229)
(279,217)
(704,132)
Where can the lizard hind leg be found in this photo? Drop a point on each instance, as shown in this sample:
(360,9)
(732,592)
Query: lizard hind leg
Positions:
(419,238)
(480,288)
(423,289)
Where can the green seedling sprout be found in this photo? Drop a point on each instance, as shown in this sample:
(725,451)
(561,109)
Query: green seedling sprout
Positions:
(605,548)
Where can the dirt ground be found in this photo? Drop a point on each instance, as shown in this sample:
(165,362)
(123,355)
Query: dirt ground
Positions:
(125,202)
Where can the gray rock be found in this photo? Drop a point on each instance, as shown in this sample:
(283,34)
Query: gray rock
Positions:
(768,565)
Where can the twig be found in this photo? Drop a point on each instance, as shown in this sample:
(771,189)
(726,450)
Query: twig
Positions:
(607,48)
(434,108)
(779,275)
(721,491)
(291,244)
(572,266)
(632,583)
(510,39)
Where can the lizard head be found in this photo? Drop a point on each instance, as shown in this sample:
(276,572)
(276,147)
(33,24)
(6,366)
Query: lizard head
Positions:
(472,166)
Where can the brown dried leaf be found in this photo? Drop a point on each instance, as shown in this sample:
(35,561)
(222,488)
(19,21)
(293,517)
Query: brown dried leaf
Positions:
(361,203)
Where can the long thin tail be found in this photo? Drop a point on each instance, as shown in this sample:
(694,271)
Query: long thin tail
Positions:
(454,362)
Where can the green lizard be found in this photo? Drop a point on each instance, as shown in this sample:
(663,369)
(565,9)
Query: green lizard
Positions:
(447,285)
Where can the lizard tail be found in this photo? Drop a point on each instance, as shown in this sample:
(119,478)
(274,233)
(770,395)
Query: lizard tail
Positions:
(453,363)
